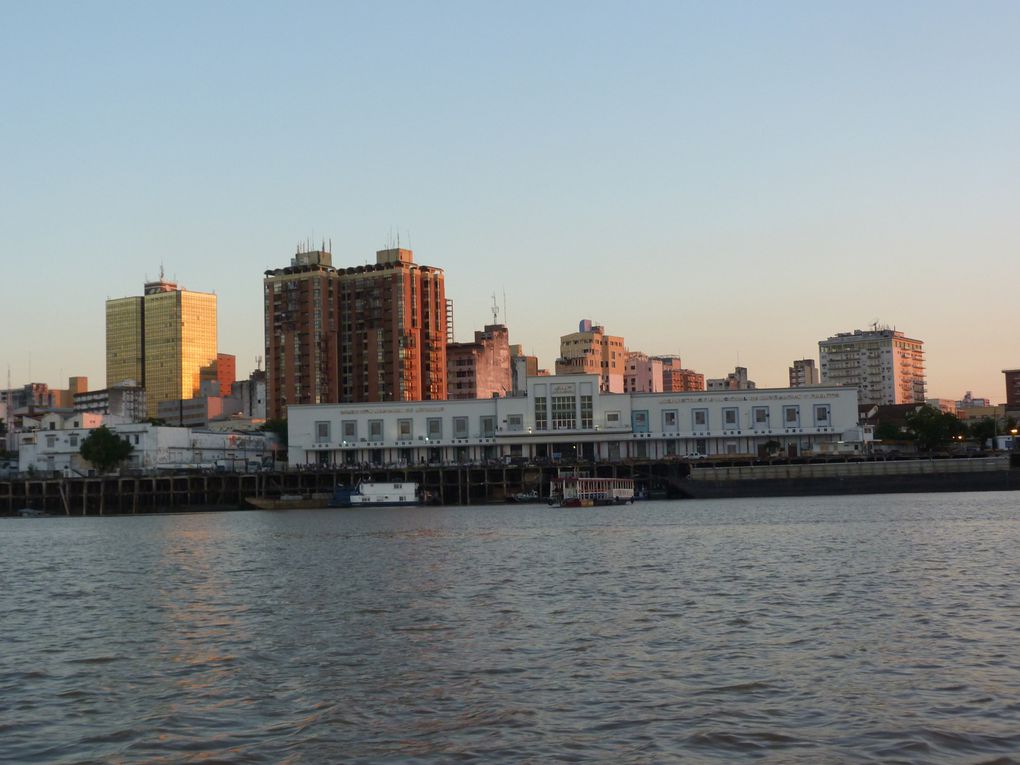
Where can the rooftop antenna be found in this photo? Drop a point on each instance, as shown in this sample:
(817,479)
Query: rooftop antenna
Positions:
(258,363)
(495,310)
(506,316)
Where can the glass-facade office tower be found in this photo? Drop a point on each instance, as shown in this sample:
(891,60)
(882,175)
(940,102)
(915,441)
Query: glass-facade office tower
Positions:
(162,340)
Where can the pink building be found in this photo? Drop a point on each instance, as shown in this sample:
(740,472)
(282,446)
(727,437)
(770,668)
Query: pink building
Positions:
(480,369)
(642,374)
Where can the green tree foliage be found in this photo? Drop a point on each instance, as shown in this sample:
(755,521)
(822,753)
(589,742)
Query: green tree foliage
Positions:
(105,449)
(982,430)
(278,428)
(932,428)
(889,431)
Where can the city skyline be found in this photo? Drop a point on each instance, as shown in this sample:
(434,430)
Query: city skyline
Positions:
(751,180)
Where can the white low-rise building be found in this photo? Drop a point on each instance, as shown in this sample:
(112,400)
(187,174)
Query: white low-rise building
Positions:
(566,417)
(54,445)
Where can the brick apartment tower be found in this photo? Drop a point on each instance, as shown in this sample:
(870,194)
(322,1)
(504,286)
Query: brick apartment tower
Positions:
(392,330)
(366,333)
(301,313)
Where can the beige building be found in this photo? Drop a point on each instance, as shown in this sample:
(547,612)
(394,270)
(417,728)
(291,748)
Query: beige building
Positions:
(590,351)
(884,365)
(643,374)
(163,339)
(804,372)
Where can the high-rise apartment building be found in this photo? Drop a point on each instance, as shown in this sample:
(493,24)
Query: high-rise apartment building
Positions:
(590,351)
(366,333)
(1012,387)
(884,365)
(804,372)
(393,330)
(677,379)
(301,316)
(162,340)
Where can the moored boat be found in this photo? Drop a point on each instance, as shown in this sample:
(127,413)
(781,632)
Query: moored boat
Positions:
(290,501)
(377,494)
(577,491)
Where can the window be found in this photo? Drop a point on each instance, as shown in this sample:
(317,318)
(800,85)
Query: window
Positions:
(72,439)
(350,429)
(761,416)
(613,419)
(435,428)
(822,415)
(587,412)
(563,414)
(669,419)
(321,432)
(51,441)
(730,418)
(639,421)
(700,418)
(460,427)
(405,429)
(791,416)
(515,422)
(488,424)
(541,414)
(375,432)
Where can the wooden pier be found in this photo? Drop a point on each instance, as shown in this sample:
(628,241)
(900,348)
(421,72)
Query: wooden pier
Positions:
(448,485)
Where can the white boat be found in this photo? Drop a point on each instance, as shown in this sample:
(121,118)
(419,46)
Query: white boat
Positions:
(375,494)
(576,491)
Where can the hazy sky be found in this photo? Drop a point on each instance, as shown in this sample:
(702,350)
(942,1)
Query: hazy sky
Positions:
(726,181)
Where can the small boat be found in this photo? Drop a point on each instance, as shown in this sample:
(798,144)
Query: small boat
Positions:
(525,496)
(575,491)
(377,494)
(31,512)
(290,501)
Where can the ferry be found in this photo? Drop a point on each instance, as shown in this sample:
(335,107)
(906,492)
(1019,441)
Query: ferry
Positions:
(575,491)
(374,494)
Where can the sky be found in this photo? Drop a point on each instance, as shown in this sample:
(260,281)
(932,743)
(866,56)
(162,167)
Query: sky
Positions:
(731,181)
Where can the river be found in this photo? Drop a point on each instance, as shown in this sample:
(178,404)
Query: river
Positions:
(860,629)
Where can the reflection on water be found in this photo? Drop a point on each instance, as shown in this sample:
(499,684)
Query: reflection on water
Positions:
(859,629)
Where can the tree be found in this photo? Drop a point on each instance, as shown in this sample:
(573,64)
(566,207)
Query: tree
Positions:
(983,430)
(105,449)
(889,431)
(932,428)
(277,428)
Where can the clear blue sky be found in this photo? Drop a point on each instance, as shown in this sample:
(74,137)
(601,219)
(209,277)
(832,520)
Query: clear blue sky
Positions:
(721,180)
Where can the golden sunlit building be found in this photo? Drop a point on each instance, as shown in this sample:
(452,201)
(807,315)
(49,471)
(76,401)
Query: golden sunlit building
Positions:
(163,340)
(125,336)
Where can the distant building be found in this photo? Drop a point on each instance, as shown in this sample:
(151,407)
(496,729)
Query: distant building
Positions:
(969,401)
(885,366)
(677,379)
(1012,387)
(126,399)
(480,369)
(946,405)
(523,366)
(54,445)
(642,373)
(804,372)
(199,410)
(252,395)
(735,380)
(162,340)
(591,351)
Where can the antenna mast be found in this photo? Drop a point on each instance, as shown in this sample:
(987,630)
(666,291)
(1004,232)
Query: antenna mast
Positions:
(495,310)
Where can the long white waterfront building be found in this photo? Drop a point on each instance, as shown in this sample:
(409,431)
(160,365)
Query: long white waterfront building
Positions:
(566,417)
